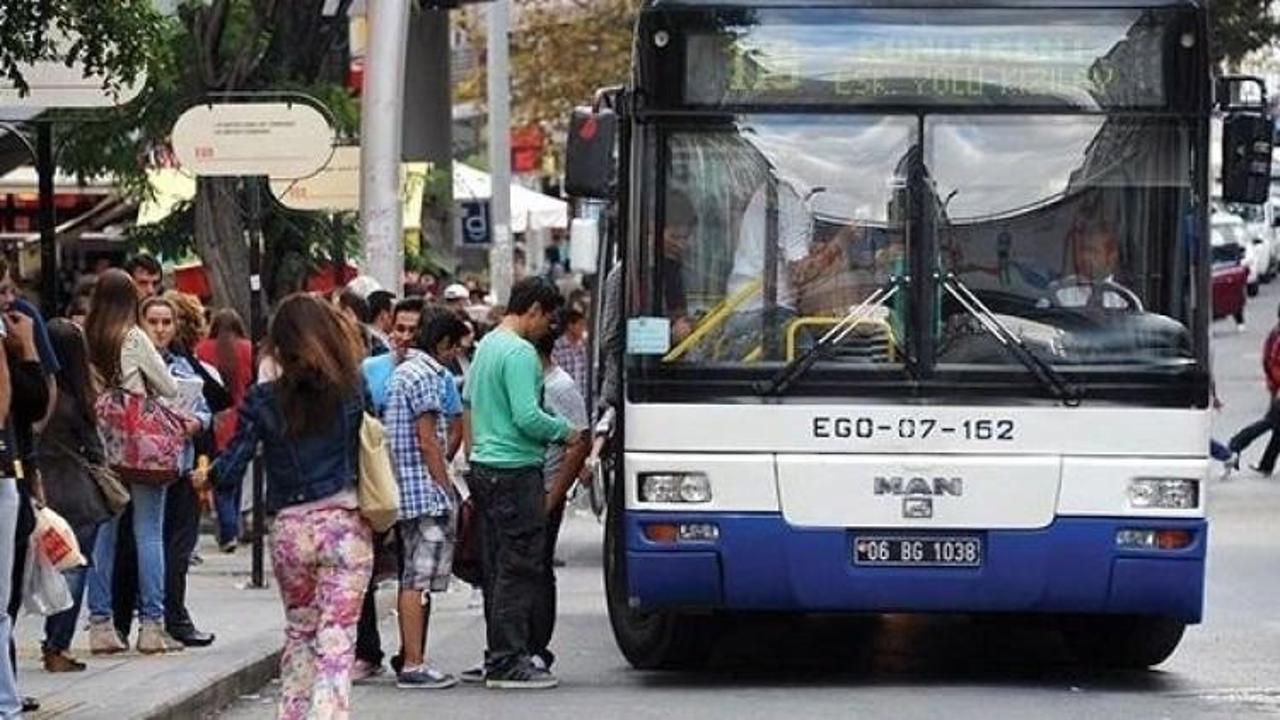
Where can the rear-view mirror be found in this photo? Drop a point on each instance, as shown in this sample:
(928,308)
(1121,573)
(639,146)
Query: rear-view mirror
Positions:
(589,153)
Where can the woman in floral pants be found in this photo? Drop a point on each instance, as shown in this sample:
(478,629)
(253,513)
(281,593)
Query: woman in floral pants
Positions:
(307,422)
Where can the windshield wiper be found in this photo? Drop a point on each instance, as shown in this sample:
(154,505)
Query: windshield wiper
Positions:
(1043,372)
(801,363)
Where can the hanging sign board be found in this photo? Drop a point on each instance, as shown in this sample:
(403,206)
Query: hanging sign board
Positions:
(276,139)
(53,84)
(474,222)
(336,188)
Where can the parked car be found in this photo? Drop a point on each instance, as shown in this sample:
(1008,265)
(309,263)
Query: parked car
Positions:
(1230,276)
(1256,255)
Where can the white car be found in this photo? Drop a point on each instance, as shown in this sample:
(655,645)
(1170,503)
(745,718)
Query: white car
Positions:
(1231,228)
(1259,231)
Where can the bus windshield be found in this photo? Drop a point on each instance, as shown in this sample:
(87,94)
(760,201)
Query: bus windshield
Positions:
(1077,232)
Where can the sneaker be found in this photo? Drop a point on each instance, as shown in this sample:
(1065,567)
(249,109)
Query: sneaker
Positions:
(1233,463)
(522,677)
(104,639)
(228,547)
(473,674)
(365,670)
(425,677)
(1264,472)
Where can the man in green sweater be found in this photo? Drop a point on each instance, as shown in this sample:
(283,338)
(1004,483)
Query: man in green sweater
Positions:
(510,435)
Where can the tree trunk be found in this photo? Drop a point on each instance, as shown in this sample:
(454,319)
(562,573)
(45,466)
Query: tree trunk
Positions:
(220,242)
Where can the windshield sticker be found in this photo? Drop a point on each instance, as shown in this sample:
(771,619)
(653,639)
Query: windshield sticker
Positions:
(648,336)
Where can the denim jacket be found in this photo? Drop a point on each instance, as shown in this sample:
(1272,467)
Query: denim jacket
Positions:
(298,469)
(181,369)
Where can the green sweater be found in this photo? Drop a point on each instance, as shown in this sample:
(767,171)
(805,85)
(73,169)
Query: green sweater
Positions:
(509,428)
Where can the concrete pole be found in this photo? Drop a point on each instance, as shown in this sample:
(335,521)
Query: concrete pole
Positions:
(501,265)
(381,118)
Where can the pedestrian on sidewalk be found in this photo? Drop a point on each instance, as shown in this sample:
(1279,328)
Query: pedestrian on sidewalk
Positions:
(418,426)
(511,432)
(123,356)
(571,347)
(68,448)
(228,349)
(307,422)
(377,373)
(564,463)
(182,502)
(11,703)
(1270,421)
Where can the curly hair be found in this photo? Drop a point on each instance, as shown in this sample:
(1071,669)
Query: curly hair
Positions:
(188,317)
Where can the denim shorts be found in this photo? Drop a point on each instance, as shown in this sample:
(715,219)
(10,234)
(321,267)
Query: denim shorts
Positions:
(426,552)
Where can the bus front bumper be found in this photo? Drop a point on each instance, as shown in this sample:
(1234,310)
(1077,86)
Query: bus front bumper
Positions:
(758,562)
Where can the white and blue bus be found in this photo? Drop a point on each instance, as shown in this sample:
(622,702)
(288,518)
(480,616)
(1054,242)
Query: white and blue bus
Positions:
(912,305)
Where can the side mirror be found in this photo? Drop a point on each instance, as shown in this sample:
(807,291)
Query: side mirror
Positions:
(1246,157)
(584,244)
(589,153)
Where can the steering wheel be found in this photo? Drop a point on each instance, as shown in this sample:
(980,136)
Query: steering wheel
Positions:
(1104,287)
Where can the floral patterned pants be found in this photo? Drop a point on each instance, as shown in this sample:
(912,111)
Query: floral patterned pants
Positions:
(322,561)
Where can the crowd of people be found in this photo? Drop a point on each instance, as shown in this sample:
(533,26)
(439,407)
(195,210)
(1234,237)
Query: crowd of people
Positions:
(489,417)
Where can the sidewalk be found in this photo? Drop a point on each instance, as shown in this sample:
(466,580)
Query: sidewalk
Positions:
(193,684)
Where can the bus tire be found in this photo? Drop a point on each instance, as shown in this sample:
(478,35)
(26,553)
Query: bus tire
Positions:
(648,640)
(1122,642)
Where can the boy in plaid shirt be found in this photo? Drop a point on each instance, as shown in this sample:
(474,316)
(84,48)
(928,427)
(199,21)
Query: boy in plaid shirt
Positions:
(417,418)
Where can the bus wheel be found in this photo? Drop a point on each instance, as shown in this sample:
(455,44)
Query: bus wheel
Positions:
(1121,642)
(649,640)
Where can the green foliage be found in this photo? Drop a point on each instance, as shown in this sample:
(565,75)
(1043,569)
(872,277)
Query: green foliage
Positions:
(114,38)
(1240,27)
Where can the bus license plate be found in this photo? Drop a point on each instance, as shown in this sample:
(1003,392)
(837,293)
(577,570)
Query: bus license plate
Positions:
(927,551)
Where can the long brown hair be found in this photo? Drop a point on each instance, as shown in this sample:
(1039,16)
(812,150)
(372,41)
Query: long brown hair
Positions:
(113,312)
(225,329)
(319,355)
(188,320)
(73,378)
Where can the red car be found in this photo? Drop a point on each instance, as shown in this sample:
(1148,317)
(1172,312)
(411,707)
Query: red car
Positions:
(1230,278)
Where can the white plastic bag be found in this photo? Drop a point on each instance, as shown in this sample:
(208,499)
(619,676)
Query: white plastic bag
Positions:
(45,592)
(56,540)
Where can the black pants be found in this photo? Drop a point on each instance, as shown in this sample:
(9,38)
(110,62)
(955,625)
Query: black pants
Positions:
(124,580)
(544,610)
(181,533)
(513,527)
(1270,422)
(368,639)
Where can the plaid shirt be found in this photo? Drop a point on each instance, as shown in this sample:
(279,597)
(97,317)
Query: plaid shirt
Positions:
(417,388)
(573,358)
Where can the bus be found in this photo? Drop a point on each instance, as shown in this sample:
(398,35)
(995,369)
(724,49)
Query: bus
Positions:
(905,309)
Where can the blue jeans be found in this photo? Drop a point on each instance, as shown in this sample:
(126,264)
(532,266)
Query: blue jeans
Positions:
(10,701)
(148,535)
(226,500)
(61,628)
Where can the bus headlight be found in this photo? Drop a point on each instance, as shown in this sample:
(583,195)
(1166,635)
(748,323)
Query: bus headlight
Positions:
(675,488)
(1164,493)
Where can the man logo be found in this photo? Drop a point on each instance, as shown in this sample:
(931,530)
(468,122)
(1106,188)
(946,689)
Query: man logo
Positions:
(917,508)
(897,485)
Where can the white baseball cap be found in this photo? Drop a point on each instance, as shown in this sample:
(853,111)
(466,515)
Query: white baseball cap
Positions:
(457,291)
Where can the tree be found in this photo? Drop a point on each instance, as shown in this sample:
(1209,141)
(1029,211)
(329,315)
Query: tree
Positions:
(1240,27)
(212,47)
(113,39)
(562,51)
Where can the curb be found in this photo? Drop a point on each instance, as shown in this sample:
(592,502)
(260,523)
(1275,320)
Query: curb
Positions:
(222,692)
